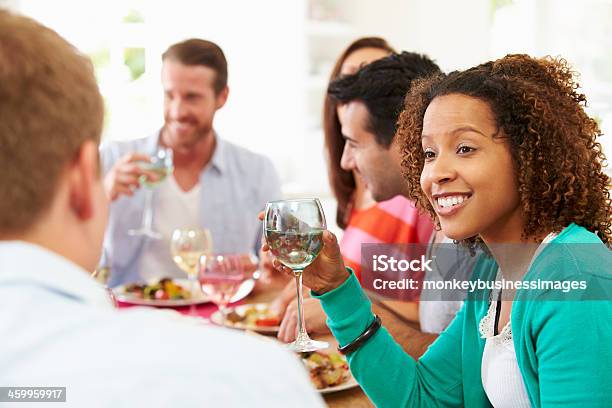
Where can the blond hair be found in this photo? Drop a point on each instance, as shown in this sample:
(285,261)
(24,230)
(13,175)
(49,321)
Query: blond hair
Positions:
(49,106)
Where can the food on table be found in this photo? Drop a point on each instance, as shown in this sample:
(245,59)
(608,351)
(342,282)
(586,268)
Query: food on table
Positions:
(326,369)
(260,316)
(165,289)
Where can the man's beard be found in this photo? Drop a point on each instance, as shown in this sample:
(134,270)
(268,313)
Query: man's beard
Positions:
(186,141)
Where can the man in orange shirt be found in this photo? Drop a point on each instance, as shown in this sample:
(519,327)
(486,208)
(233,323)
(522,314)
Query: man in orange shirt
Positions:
(371,101)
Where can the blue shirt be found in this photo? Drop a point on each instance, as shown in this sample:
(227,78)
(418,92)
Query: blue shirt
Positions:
(58,328)
(235,187)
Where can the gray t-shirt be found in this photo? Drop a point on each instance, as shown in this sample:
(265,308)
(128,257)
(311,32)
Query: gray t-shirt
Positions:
(438,308)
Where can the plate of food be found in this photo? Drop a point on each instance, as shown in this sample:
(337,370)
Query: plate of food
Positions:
(256,317)
(161,292)
(329,371)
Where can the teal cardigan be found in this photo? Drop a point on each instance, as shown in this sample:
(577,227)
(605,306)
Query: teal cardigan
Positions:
(563,347)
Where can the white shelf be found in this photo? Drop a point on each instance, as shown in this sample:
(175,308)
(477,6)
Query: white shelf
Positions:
(328,29)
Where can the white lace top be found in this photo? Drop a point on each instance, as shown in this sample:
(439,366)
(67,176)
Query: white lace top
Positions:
(500,373)
(501,377)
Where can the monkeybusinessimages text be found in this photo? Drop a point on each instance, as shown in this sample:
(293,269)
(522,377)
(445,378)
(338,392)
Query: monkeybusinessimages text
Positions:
(384,264)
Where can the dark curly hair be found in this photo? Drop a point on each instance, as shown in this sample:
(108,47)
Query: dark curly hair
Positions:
(553,142)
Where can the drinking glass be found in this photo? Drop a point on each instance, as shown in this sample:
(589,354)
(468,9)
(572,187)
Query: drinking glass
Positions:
(294,232)
(161,165)
(187,245)
(221,276)
(102,275)
(250,264)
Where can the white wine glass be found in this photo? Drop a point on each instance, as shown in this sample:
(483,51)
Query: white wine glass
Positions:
(162,165)
(221,276)
(187,246)
(294,232)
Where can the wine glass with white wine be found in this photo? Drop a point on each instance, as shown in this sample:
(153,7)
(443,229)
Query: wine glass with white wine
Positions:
(294,232)
(187,246)
(161,165)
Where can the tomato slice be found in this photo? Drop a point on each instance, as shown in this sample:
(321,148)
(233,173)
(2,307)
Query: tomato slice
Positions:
(267,322)
(161,295)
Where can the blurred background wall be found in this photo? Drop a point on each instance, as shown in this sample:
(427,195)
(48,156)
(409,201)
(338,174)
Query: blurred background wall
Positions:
(280,53)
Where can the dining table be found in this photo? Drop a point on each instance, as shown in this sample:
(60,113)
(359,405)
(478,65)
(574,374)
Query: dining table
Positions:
(399,318)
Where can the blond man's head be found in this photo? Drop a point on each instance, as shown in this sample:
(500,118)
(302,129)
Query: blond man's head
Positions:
(49,106)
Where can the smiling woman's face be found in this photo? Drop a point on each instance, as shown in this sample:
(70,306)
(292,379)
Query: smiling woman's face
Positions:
(468,175)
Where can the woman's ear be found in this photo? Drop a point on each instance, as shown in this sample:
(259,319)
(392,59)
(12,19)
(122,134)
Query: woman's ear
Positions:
(84,172)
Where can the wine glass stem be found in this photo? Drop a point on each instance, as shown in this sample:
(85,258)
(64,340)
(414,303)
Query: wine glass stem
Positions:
(147,216)
(223,310)
(301,332)
(111,296)
(195,287)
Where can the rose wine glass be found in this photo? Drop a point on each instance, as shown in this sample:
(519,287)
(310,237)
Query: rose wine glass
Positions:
(187,246)
(221,276)
(161,164)
(294,232)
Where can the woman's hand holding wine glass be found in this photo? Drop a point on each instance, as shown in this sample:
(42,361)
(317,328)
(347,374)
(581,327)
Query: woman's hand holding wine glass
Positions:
(294,232)
(327,272)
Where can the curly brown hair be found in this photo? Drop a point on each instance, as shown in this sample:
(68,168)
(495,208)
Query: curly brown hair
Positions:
(553,142)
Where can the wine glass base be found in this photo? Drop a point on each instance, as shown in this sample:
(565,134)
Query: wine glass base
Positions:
(145,232)
(305,345)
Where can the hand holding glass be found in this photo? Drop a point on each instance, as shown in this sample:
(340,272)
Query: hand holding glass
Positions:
(294,232)
(161,165)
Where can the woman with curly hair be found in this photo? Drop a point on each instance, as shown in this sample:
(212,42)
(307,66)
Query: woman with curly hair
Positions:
(504,157)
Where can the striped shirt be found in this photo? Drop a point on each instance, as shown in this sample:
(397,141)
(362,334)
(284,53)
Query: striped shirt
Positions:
(389,222)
